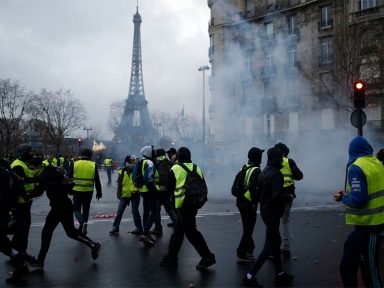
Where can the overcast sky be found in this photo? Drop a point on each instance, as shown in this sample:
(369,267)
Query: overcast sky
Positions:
(86,46)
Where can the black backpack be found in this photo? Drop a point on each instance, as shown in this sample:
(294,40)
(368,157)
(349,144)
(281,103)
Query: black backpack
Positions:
(238,186)
(137,174)
(196,190)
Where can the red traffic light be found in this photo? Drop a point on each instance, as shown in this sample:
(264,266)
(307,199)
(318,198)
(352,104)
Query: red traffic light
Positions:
(359,85)
(359,94)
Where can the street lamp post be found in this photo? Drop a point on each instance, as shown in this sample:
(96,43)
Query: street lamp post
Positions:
(87,129)
(204,68)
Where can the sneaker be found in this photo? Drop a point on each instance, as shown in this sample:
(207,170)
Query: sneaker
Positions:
(245,258)
(136,232)
(147,240)
(251,282)
(36,264)
(157,232)
(114,231)
(205,262)
(168,262)
(284,279)
(96,251)
(172,224)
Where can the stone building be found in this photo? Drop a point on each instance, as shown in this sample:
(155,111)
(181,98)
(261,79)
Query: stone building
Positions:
(283,69)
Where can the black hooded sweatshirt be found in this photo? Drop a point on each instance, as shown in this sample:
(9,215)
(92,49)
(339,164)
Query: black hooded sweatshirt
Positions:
(271,183)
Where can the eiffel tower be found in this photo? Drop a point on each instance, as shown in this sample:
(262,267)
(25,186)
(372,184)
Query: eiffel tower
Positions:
(136,128)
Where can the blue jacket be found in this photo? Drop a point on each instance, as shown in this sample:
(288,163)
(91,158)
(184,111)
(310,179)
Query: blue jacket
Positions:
(358,195)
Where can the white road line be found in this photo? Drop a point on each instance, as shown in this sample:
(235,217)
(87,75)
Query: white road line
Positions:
(201,215)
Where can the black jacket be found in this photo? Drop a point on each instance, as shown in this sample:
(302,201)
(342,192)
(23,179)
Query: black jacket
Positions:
(271,181)
(53,181)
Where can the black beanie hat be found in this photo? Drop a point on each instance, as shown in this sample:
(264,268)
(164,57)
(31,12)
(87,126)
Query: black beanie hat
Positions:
(254,155)
(160,152)
(283,148)
(86,153)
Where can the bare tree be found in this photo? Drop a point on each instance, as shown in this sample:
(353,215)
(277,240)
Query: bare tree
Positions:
(116,111)
(352,56)
(60,111)
(14,101)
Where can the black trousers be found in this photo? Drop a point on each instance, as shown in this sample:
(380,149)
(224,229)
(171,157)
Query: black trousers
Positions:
(23,218)
(248,218)
(63,215)
(5,243)
(186,225)
(361,250)
(165,201)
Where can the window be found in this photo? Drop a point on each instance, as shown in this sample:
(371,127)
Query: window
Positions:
(327,119)
(325,50)
(268,59)
(291,24)
(250,5)
(269,30)
(325,85)
(211,44)
(292,58)
(326,16)
(291,88)
(267,89)
(366,4)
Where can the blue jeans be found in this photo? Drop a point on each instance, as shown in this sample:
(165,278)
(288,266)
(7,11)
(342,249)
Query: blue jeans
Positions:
(109,172)
(124,202)
(135,200)
(271,245)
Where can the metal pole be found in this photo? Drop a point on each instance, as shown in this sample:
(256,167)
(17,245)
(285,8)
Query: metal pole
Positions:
(360,123)
(203,106)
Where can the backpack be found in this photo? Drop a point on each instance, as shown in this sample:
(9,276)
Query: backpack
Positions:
(137,174)
(238,187)
(163,168)
(196,190)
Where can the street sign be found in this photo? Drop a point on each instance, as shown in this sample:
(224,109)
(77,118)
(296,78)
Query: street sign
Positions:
(358,118)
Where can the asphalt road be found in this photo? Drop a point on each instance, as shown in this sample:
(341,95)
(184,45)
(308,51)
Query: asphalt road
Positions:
(317,228)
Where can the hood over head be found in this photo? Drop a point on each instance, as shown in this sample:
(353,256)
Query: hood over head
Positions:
(146,152)
(359,147)
(275,156)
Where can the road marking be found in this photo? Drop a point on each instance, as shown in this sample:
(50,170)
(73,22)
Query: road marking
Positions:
(201,215)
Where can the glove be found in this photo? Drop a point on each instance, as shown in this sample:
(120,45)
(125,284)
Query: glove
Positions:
(98,196)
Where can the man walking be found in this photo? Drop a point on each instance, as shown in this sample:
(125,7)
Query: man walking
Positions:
(364,202)
(186,221)
(108,167)
(290,173)
(86,176)
(272,200)
(247,202)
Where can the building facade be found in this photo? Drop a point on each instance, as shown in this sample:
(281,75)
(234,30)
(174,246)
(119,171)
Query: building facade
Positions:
(283,69)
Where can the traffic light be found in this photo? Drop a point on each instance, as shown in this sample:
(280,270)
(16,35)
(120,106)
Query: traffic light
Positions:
(359,94)
(79,142)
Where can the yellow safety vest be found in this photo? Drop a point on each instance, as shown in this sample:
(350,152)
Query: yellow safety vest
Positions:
(373,212)
(248,174)
(45,163)
(84,175)
(287,173)
(181,176)
(155,177)
(107,162)
(29,187)
(127,185)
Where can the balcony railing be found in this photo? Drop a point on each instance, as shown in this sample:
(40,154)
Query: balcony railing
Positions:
(366,14)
